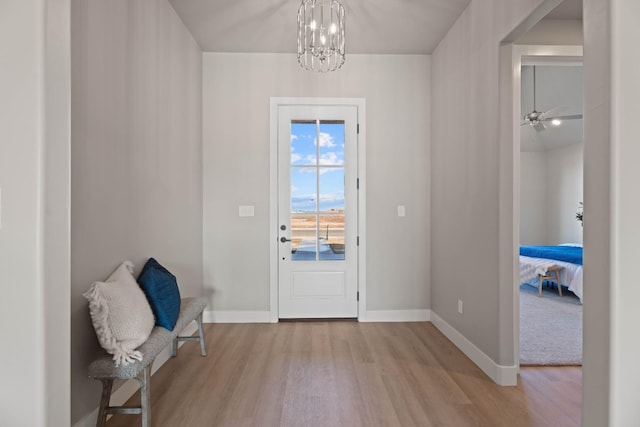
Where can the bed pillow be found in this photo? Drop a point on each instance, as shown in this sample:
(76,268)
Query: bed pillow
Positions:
(161,289)
(120,314)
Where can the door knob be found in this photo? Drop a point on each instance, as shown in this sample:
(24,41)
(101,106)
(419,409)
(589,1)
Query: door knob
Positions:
(284,239)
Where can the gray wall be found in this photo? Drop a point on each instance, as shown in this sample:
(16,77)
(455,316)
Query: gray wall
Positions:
(611,346)
(136,157)
(624,207)
(465,179)
(533,193)
(564,193)
(34,238)
(554,32)
(237,88)
(550,192)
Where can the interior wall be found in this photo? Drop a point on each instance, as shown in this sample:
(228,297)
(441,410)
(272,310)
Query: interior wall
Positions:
(466,180)
(57,195)
(564,194)
(551,189)
(533,196)
(237,89)
(565,32)
(136,157)
(624,205)
(599,267)
(22,125)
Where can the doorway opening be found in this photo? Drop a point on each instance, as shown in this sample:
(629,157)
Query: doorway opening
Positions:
(551,188)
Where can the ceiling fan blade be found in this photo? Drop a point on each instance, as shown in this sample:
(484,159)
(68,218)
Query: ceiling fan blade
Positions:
(556,108)
(570,117)
(540,127)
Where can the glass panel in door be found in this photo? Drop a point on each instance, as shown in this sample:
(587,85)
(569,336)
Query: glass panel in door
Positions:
(317,190)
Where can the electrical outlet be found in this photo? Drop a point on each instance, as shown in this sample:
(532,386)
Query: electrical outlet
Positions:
(459,306)
(401,210)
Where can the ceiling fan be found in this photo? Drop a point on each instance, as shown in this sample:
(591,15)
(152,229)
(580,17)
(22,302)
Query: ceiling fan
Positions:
(536,119)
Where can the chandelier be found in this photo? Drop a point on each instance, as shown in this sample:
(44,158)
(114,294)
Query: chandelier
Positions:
(321,35)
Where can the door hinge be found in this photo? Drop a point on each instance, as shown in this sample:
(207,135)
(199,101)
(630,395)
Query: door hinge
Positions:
(358,184)
(358,129)
(358,296)
(358,241)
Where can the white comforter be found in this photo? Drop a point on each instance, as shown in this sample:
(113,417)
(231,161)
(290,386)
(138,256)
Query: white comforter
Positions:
(570,276)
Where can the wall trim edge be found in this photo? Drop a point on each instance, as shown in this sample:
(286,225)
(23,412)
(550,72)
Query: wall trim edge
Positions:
(500,374)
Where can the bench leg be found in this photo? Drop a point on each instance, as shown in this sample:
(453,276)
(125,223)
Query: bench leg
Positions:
(203,349)
(107,385)
(145,395)
(558,282)
(174,347)
(200,337)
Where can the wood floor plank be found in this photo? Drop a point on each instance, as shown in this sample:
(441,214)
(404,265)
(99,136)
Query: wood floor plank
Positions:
(345,373)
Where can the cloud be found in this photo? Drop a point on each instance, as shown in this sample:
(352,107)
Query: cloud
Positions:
(293,137)
(294,188)
(330,158)
(326,140)
(295,157)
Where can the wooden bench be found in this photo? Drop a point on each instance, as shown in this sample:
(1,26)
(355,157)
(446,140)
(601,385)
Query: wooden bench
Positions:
(555,270)
(105,370)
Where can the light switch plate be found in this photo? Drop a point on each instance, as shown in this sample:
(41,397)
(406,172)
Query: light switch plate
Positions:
(401,210)
(246,210)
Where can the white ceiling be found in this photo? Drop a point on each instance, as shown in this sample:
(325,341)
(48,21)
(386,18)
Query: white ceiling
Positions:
(558,87)
(372,26)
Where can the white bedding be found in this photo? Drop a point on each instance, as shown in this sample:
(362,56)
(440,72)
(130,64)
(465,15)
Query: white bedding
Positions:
(570,276)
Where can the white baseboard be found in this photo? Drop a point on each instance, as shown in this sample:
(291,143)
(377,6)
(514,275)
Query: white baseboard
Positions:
(501,375)
(230,316)
(395,316)
(128,388)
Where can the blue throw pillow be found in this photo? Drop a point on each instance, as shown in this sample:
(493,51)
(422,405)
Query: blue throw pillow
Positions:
(161,289)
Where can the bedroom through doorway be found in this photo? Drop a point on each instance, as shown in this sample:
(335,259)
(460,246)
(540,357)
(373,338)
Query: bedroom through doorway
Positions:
(550,179)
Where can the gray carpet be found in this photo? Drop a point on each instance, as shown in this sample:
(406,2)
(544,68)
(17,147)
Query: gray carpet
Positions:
(550,327)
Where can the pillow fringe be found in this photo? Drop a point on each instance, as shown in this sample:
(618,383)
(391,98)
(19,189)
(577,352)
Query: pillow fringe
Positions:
(123,356)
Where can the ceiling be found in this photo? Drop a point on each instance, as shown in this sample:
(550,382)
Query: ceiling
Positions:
(373,26)
(558,87)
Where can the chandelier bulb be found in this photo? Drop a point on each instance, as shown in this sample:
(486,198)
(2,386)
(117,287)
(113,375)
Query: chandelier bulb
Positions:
(333,28)
(313,25)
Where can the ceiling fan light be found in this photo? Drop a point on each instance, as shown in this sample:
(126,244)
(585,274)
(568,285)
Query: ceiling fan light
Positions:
(556,122)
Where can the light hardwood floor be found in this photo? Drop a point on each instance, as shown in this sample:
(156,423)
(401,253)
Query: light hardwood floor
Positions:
(343,373)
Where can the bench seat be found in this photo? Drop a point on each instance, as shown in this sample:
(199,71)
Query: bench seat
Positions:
(104,368)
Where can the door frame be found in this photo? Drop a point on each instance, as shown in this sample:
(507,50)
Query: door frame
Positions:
(275,104)
(512,57)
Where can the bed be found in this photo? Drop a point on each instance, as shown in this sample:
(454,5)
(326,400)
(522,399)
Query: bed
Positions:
(536,260)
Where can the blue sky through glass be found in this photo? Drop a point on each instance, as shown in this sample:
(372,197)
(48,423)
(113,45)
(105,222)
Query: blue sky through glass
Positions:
(303,179)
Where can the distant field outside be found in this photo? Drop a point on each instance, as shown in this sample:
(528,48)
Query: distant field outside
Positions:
(330,229)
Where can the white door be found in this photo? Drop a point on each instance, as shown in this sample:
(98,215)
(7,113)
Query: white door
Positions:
(317,211)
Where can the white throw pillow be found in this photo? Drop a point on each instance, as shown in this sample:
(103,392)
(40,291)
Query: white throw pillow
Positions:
(121,314)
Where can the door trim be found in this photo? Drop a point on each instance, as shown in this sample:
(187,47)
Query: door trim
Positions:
(512,57)
(275,104)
